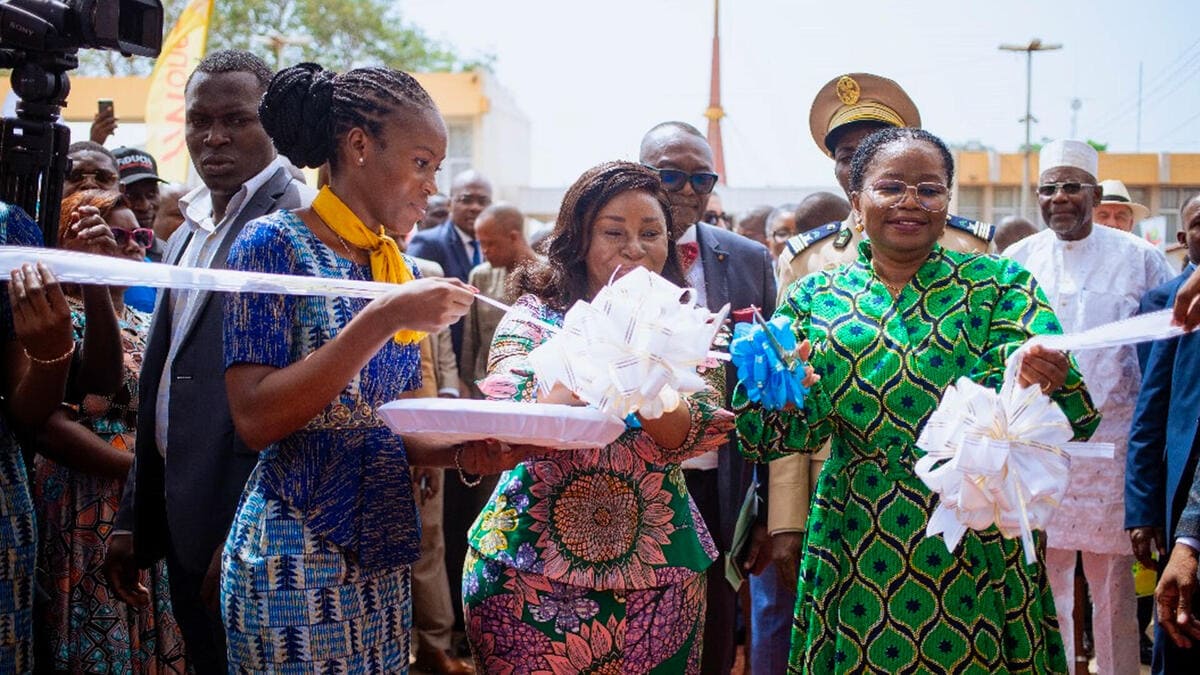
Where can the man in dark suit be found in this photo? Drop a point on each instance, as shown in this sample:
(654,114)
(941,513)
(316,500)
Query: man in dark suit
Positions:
(453,244)
(1163,449)
(189,466)
(723,268)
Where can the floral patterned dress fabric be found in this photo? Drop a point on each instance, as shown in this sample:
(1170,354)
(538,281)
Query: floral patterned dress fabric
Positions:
(875,594)
(85,626)
(315,574)
(588,560)
(18,527)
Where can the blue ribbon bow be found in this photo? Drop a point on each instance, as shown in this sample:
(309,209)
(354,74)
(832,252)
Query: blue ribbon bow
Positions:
(769,380)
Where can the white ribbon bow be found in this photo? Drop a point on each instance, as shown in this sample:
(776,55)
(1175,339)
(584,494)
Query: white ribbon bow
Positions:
(635,347)
(1004,458)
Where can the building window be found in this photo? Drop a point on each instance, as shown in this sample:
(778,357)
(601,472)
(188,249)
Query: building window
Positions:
(1170,199)
(460,151)
(969,203)
(1006,201)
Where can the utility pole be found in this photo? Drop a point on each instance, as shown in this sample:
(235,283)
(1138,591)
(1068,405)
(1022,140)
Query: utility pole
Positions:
(1035,45)
(1076,104)
(714,113)
(1138,145)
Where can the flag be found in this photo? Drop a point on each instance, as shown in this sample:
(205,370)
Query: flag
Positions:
(181,51)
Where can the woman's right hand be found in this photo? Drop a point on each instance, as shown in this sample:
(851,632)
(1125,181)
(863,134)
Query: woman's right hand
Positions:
(41,316)
(426,305)
(803,352)
(89,233)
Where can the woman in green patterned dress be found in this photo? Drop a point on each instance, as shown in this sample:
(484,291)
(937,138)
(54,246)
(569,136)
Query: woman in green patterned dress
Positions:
(886,335)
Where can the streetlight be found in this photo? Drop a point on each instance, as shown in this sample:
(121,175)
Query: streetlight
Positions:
(1035,45)
(276,42)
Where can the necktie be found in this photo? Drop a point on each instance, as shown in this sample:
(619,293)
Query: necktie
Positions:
(476,258)
(687,255)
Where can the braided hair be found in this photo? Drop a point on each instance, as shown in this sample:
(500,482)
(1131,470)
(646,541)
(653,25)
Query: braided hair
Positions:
(105,201)
(307,110)
(562,278)
(871,145)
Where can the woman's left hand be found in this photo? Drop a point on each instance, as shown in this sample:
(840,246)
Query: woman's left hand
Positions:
(1044,367)
(491,456)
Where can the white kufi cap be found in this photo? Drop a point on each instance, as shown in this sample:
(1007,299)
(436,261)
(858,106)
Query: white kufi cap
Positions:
(1069,153)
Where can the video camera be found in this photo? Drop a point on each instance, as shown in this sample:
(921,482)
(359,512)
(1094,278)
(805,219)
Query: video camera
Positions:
(39,40)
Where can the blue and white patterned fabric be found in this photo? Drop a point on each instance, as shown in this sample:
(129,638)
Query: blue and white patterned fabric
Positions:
(315,569)
(18,528)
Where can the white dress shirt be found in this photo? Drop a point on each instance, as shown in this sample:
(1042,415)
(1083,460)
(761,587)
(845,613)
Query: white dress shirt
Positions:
(201,238)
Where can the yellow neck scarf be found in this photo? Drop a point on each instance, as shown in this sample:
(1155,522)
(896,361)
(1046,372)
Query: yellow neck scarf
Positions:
(387,265)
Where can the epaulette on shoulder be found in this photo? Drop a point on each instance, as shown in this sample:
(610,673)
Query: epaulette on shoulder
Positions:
(984,231)
(805,239)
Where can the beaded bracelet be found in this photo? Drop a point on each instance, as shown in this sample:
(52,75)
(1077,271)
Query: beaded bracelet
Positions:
(462,474)
(50,362)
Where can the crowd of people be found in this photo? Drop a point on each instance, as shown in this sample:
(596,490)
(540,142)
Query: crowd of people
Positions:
(199,482)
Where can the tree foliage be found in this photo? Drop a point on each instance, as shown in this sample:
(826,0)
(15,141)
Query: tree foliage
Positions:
(339,35)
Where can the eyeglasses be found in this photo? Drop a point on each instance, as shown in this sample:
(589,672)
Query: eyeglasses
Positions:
(674,180)
(142,236)
(782,236)
(711,217)
(932,197)
(100,177)
(482,200)
(1050,189)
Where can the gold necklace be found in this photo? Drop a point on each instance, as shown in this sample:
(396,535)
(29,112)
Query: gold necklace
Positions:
(896,290)
(345,246)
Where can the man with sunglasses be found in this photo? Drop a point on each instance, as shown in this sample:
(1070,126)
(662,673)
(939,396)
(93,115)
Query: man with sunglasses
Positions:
(845,111)
(1092,276)
(723,267)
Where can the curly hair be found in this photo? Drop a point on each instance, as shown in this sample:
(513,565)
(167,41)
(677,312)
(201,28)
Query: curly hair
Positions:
(232,61)
(562,278)
(871,145)
(307,110)
(92,146)
(106,201)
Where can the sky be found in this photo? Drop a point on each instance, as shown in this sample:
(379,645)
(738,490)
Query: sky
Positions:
(593,76)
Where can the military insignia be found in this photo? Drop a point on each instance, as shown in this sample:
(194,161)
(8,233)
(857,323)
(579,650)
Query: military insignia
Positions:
(843,239)
(984,231)
(848,90)
(805,239)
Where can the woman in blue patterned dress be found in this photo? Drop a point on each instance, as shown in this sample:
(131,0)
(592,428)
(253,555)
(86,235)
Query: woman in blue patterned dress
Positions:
(35,331)
(315,572)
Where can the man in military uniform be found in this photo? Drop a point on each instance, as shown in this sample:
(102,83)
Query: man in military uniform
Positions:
(845,111)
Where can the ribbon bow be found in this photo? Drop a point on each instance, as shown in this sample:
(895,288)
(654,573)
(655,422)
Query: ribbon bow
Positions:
(766,368)
(998,459)
(634,348)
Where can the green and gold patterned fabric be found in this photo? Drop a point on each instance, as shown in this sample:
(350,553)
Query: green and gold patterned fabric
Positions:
(876,594)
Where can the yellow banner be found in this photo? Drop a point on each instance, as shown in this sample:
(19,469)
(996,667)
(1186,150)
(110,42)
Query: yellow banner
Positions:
(181,51)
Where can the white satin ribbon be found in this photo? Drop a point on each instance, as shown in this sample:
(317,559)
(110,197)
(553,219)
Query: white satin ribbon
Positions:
(634,348)
(1004,458)
(87,268)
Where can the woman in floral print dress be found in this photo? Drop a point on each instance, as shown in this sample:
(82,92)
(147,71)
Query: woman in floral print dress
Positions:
(593,560)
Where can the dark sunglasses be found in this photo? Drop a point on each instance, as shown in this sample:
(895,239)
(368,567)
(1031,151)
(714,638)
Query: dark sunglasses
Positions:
(674,180)
(142,236)
(1048,189)
(711,217)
